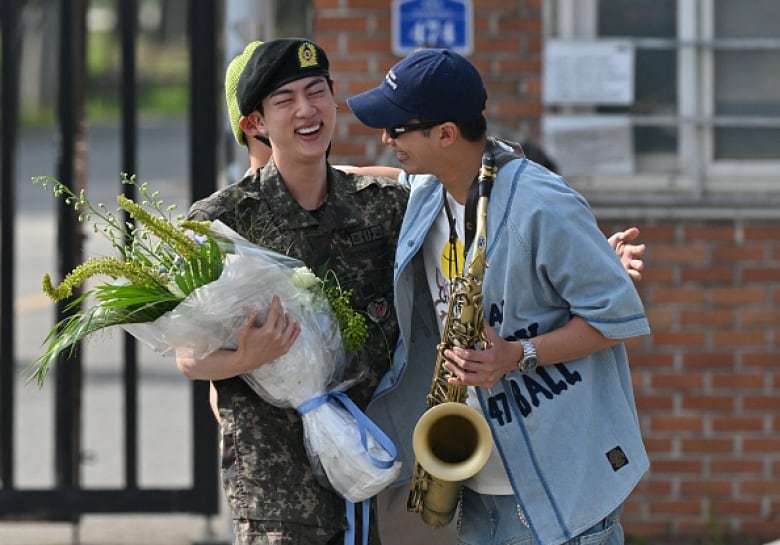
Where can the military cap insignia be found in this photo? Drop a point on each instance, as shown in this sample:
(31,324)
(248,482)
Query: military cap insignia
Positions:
(307,55)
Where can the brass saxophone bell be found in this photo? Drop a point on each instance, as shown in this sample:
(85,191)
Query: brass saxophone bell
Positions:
(452,442)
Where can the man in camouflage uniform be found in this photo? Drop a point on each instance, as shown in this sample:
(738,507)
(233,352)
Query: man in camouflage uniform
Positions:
(300,206)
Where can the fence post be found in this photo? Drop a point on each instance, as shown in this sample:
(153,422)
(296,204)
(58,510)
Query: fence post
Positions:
(204,134)
(71,170)
(9,27)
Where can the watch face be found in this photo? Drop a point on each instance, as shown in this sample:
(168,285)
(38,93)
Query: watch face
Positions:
(529,363)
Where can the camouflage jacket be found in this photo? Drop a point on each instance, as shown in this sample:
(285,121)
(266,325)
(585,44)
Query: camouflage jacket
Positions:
(266,473)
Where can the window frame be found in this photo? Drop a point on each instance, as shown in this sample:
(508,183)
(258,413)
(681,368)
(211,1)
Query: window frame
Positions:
(698,175)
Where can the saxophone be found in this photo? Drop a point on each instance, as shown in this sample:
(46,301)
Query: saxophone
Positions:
(451,440)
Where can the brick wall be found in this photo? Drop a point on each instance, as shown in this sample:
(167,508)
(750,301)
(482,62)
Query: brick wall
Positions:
(507,51)
(707,393)
(706,385)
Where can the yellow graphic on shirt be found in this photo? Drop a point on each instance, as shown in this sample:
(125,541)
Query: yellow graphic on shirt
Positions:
(450,266)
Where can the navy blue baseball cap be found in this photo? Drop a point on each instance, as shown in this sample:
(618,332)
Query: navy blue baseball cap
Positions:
(431,84)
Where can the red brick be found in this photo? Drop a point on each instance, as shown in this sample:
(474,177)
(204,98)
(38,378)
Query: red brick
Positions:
(368,43)
(340,24)
(761,403)
(761,274)
(739,254)
(675,507)
(750,487)
(677,381)
(724,507)
(710,232)
(521,25)
(642,529)
(768,360)
(699,487)
(686,466)
(676,295)
(737,296)
(710,403)
(688,529)
(770,233)
(521,108)
(513,65)
(652,486)
(692,338)
(710,275)
(737,423)
(661,317)
(653,402)
(366,4)
(676,423)
(703,445)
(646,359)
(658,274)
(761,317)
(741,380)
(737,467)
(707,318)
(763,445)
(692,359)
(769,529)
(678,254)
(495,44)
(654,234)
(660,445)
(738,338)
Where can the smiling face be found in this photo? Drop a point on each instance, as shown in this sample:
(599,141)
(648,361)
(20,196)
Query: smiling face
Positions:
(299,118)
(415,149)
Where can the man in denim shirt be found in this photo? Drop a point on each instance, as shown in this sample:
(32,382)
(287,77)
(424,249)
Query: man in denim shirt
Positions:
(554,382)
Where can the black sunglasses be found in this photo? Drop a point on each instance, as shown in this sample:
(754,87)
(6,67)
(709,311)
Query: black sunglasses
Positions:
(398,130)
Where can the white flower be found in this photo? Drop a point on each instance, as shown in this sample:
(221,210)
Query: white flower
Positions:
(302,278)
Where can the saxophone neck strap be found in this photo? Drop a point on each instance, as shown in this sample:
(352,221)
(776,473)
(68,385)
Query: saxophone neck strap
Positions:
(503,153)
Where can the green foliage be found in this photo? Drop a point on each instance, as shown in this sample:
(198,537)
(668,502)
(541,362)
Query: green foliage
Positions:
(354,329)
(157,266)
(160,260)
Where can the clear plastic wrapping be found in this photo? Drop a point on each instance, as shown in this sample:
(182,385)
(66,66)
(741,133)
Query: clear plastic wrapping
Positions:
(357,458)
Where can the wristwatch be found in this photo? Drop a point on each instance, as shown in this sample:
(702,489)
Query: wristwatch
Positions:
(529,361)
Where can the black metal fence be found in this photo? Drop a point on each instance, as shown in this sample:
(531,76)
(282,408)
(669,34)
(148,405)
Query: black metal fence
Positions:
(67,500)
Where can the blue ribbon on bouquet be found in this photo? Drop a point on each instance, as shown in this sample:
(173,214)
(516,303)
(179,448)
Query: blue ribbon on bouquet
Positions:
(365,426)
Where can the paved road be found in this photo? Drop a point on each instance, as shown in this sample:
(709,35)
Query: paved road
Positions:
(164,419)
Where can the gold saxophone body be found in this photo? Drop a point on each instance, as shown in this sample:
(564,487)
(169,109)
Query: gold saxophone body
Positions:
(451,440)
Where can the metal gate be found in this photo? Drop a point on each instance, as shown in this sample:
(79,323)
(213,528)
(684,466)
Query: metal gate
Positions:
(68,500)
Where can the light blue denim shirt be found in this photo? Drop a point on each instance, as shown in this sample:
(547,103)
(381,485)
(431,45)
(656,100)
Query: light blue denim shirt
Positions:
(568,433)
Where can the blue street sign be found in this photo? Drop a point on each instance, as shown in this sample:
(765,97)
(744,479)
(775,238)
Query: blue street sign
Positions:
(432,23)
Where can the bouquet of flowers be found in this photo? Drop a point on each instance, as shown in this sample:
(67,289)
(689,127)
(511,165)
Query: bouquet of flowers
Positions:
(187,285)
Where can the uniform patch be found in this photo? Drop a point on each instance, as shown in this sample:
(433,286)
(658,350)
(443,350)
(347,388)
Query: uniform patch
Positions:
(617,458)
(367,235)
(377,310)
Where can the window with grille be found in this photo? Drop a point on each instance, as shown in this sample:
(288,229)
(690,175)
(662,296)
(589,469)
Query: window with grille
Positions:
(675,98)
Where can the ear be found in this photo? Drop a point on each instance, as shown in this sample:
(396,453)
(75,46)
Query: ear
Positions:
(252,124)
(448,133)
